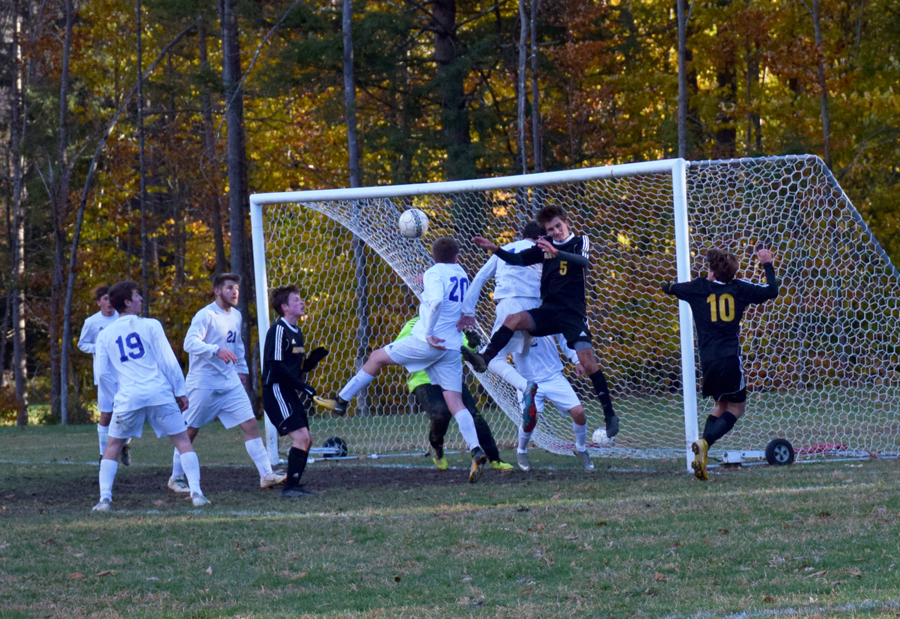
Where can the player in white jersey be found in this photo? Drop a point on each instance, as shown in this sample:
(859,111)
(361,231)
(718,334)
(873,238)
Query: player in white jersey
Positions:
(149,386)
(433,345)
(542,365)
(86,343)
(516,289)
(216,379)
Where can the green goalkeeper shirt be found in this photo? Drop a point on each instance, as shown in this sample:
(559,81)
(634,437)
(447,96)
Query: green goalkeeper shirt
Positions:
(419,378)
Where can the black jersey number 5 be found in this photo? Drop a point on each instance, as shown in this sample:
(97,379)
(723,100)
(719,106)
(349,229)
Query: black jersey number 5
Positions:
(721,307)
(563,267)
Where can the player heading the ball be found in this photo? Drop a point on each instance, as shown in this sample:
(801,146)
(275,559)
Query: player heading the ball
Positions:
(433,345)
(718,302)
(564,258)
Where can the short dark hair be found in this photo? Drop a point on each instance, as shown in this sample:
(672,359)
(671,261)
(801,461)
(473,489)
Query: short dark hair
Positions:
(220,279)
(121,292)
(532,230)
(445,249)
(549,212)
(100,292)
(722,264)
(280,296)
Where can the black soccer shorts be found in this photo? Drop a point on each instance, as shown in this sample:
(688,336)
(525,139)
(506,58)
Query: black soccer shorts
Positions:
(550,320)
(723,380)
(284,409)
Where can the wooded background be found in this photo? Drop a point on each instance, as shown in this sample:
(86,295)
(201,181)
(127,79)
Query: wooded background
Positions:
(133,132)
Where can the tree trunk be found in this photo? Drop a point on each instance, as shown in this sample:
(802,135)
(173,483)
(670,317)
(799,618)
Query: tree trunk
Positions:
(145,275)
(520,84)
(681,10)
(823,86)
(451,77)
(535,95)
(17,138)
(211,173)
(359,248)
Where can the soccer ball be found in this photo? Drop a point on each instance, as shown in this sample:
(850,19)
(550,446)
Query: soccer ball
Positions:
(413,223)
(599,437)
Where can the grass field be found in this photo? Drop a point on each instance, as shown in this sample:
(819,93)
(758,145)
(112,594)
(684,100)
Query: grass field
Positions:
(381,539)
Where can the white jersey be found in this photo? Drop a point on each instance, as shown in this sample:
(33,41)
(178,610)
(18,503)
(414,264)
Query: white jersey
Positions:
(541,361)
(509,280)
(212,329)
(445,288)
(92,328)
(137,354)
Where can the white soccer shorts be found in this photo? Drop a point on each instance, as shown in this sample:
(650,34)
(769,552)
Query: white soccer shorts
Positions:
(231,406)
(165,419)
(444,367)
(507,307)
(559,392)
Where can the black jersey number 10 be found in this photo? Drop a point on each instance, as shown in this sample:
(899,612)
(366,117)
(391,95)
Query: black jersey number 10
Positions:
(721,307)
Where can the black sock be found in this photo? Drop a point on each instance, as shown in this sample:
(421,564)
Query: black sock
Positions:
(500,339)
(602,391)
(296,464)
(718,427)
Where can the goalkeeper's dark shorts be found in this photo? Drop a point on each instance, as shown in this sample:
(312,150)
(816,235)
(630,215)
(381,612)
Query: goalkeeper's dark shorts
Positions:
(723,380)
(553,319)
(284,408)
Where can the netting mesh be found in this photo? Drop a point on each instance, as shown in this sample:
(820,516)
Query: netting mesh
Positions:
(821,361)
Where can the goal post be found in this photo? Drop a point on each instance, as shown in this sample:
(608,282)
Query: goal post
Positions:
(821,361)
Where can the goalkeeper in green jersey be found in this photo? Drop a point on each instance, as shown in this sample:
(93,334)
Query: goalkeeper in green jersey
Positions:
(431,398)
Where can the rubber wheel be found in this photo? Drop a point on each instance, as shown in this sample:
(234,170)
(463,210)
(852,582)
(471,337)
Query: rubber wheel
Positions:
(779,452)
(338,443)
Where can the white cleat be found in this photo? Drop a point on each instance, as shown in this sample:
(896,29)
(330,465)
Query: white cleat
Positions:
(585,458)
(198,499)
(177,484)
(274,478)
(102,506)
(522,461)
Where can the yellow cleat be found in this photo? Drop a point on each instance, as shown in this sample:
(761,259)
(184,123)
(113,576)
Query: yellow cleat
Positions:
(441,463)
(700,448)
(497,465)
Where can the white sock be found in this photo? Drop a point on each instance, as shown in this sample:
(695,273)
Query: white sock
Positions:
(103,435)
(177,469)
(508,373)
(356,384)
(524,439)
(108,470)
(191,466)
(259,455)
(580,435)
(467,428)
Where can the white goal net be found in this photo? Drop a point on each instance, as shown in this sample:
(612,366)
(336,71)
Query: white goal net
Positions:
(821,361)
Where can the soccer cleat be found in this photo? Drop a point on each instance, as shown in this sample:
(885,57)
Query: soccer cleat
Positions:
(522,460)
(337,405)
(125,456)
(198,499)
(475,359)
(179,485)
(498,465)
(700,448)
(612,425)
(478,462)
(272,479)
(102,506)
(441,463)
(295,492)
(529,410)
(585,458)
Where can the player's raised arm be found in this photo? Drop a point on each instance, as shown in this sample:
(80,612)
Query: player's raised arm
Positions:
(758,293)
(486,272)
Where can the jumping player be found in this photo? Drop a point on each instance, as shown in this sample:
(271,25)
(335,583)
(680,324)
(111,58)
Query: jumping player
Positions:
(433,345)
(564,259)
(216,379)
(87,343)
(718,302)
(136,355)
(285,365)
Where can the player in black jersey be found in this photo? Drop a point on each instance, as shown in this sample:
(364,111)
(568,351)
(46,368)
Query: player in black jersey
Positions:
(285,365)
(564,259)
(718,302)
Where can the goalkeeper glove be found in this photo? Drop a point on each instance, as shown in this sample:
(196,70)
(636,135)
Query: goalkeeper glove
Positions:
(473,340)
(313,359)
